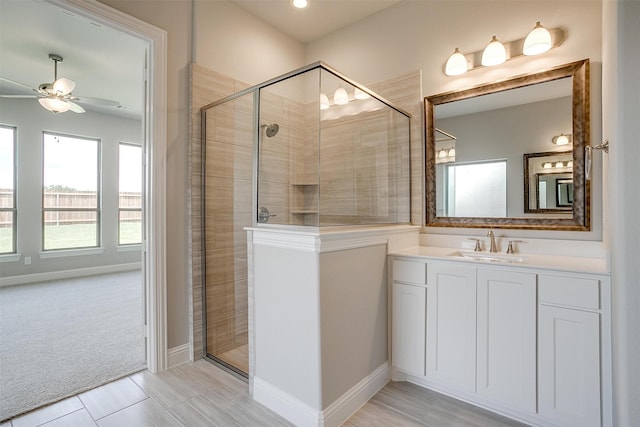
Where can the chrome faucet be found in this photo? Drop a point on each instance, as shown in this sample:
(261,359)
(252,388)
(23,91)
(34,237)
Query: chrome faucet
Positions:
(492,241)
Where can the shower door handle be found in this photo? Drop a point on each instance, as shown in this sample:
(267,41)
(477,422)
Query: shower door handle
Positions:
(264,215)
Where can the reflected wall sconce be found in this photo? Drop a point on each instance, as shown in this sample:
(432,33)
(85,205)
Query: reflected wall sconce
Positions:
(324,102)
(539,40)
(561,139)
(340,96)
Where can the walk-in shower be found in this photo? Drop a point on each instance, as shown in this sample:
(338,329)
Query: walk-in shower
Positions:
(309,148)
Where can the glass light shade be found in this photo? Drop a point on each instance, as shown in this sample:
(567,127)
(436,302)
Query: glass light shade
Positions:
(300,4)
(456,64)
(63,86)
(494,53)
(559,165)
(452,152)
(360,94)
(546,165)
(54,104)
(324,102)
(340,96)
(538,41)
(442,154)
(561,139)
(570,164)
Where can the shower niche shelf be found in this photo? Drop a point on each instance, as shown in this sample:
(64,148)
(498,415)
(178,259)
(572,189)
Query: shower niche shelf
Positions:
(305,203)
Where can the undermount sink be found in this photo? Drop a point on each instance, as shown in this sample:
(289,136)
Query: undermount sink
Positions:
(488,257)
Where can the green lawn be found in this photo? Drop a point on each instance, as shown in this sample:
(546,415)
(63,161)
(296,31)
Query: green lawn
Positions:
(74,236)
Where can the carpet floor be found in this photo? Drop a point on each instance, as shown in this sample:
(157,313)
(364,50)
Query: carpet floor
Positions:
(62,337)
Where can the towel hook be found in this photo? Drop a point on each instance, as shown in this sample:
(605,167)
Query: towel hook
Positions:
(588,151)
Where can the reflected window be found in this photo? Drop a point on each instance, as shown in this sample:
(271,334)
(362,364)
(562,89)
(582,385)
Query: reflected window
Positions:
(8,211)
(476,189)
(70,196)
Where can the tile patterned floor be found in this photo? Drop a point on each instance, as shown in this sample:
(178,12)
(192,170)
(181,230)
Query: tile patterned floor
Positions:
(200,394)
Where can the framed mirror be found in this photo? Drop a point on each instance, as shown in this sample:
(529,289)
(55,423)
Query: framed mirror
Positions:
(548,183)
(477,138)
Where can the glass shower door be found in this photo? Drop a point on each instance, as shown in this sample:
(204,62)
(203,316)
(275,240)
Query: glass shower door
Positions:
(227,193)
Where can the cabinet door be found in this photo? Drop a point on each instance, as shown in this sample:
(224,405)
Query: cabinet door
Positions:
(569,366)
(507,338)
(451,325)
(408,328)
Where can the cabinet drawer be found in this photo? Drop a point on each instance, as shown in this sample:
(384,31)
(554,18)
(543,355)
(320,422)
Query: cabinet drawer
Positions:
(570,291)
(410,271)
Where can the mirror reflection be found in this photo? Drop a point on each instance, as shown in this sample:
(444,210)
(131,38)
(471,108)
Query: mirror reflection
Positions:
(548,182)
(476,140)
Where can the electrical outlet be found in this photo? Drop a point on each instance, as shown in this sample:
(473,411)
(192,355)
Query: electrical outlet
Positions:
(27,260)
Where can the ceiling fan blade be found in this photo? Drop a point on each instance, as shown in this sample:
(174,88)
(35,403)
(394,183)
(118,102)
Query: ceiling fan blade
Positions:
(63,86)
(15,83)
(19,96)
(75,107)
(98,102)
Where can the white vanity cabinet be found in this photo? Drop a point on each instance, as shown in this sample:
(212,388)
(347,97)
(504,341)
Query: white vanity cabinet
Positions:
(569,350)
(506,307)
(408,313)
(527,342)
(451,325)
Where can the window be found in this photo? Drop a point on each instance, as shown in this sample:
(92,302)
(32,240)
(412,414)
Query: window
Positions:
(130,194)
(70,196)
(7,190)
(477,189)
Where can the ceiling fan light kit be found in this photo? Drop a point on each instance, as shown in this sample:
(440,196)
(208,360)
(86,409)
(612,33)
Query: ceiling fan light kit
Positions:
(56,96)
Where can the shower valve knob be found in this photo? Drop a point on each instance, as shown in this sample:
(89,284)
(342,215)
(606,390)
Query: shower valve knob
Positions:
(264,215)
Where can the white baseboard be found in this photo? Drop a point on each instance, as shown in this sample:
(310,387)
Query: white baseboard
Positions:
(67,274)
(302,415)
(349,403)
(179,355)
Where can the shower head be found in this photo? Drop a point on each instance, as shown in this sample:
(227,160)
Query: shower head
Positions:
(272,129)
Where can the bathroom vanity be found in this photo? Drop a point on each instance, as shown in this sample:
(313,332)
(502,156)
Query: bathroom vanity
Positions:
(527,336)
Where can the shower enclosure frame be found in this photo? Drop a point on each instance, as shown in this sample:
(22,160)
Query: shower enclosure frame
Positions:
(255,90)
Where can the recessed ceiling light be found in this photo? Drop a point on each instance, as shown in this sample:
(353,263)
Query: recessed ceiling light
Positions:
(300,4)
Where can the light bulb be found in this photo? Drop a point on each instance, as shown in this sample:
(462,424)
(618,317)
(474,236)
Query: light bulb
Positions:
(538,41)
(494,53)
(456,64)
(340,96)
(300,4)
(54,105)
(324,102)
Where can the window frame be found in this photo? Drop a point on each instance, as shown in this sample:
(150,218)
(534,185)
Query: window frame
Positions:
(132,144)
(97,209)
(14,209)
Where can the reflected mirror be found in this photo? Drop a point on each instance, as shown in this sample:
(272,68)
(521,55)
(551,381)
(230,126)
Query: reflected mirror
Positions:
(477,139)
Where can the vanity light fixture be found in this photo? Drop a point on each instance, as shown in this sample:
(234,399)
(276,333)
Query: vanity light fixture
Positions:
(546,166)
(300,4)
(340,96)
(561,139)
(452,152)
(324,102)
(456,64)
(539,40)
(559,165)
(570,164)
(494,53)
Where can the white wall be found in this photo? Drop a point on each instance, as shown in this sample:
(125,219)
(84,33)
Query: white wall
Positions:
(622,128)
(421,34)
(31,120)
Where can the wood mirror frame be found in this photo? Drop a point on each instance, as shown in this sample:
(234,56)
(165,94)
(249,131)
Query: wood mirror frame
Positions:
(580,221)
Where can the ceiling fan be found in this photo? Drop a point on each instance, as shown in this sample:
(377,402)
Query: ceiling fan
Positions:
(57,97)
